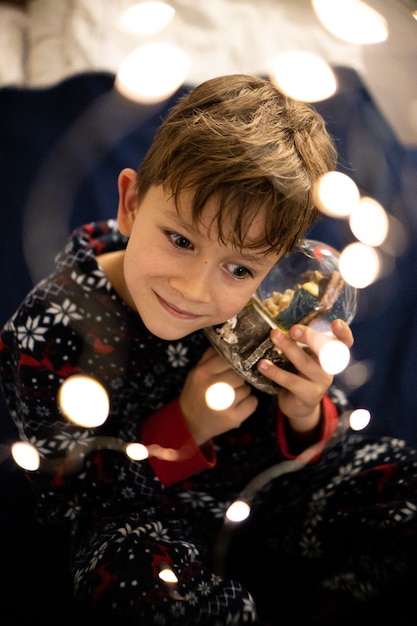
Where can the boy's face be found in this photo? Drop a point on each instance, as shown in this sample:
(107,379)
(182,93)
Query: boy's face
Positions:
(179,277)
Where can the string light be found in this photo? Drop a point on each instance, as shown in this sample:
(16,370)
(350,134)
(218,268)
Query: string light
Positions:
(167,574)
(25,455)
(351,20)
(220,396)
(303,76)
(137,451)
(337,194)
(84,401)
(147,18)
(152,72)
(359,264)
(359,419)
(369,222)
(334,356)
(238,511)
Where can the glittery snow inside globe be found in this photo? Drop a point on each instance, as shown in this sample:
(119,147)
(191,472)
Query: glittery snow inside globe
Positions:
(304,287)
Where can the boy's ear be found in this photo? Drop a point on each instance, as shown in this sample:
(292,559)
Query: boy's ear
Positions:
(128,201)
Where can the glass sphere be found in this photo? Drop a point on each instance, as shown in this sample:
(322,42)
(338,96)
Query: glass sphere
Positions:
(304,287)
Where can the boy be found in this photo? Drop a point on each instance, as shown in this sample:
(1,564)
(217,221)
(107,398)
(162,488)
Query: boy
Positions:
(225,190)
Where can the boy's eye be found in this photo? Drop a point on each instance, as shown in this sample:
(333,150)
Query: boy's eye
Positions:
(180,241)
(239,271)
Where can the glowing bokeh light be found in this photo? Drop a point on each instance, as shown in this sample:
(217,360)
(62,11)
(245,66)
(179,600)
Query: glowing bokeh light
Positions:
(303,76)
(397,239)
(220,396)
(152,72)
(25,455)
(334,356)
(357,374)
(168,575)
(137,451)
(337,194)
(369,222)
(238,511)
(351,20)
(359,265)
(147,18)
(84,401)
(359,419)
(332,353)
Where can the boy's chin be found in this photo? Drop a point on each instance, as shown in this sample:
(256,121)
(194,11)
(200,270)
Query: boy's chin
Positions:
(171,334)
(175,332)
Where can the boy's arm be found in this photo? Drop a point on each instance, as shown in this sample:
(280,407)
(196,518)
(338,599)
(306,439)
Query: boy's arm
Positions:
(173,451)
(31,374)
(291,444)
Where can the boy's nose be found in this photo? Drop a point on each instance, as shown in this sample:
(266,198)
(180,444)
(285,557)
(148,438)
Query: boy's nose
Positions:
(195,284)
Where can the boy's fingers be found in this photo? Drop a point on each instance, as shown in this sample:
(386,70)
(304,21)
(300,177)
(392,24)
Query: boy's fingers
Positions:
(342,331)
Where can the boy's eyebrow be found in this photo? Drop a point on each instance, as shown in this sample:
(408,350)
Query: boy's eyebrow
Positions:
(246,253)
(176,217)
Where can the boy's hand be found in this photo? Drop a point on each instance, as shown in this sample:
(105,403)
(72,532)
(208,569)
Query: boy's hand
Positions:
(301,393)
(204,422)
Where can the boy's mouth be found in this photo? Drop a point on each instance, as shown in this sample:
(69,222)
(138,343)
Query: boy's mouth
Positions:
(175,311)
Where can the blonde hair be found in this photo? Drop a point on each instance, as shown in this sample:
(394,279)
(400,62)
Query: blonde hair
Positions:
(240,140)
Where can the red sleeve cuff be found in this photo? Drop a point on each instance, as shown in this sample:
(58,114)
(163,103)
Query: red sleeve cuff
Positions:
(173,453)
(330,418)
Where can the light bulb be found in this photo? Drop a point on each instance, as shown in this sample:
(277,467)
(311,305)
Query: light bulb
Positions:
(147,18)
(168,575)
(303,76)
(351,20)
(359,419)
(220,396)
(369,222)
(359,265)
(238,511)
(84,401)
(336,194)
(137,451)
(25,455)
(334,356)
(152,72)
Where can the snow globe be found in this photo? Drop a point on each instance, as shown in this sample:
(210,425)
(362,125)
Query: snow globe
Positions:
(304,287)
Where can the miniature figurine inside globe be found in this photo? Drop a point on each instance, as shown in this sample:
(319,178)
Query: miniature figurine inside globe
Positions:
(304,287)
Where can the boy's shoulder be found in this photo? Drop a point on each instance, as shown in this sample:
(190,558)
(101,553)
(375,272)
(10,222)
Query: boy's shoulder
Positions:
(64,296)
